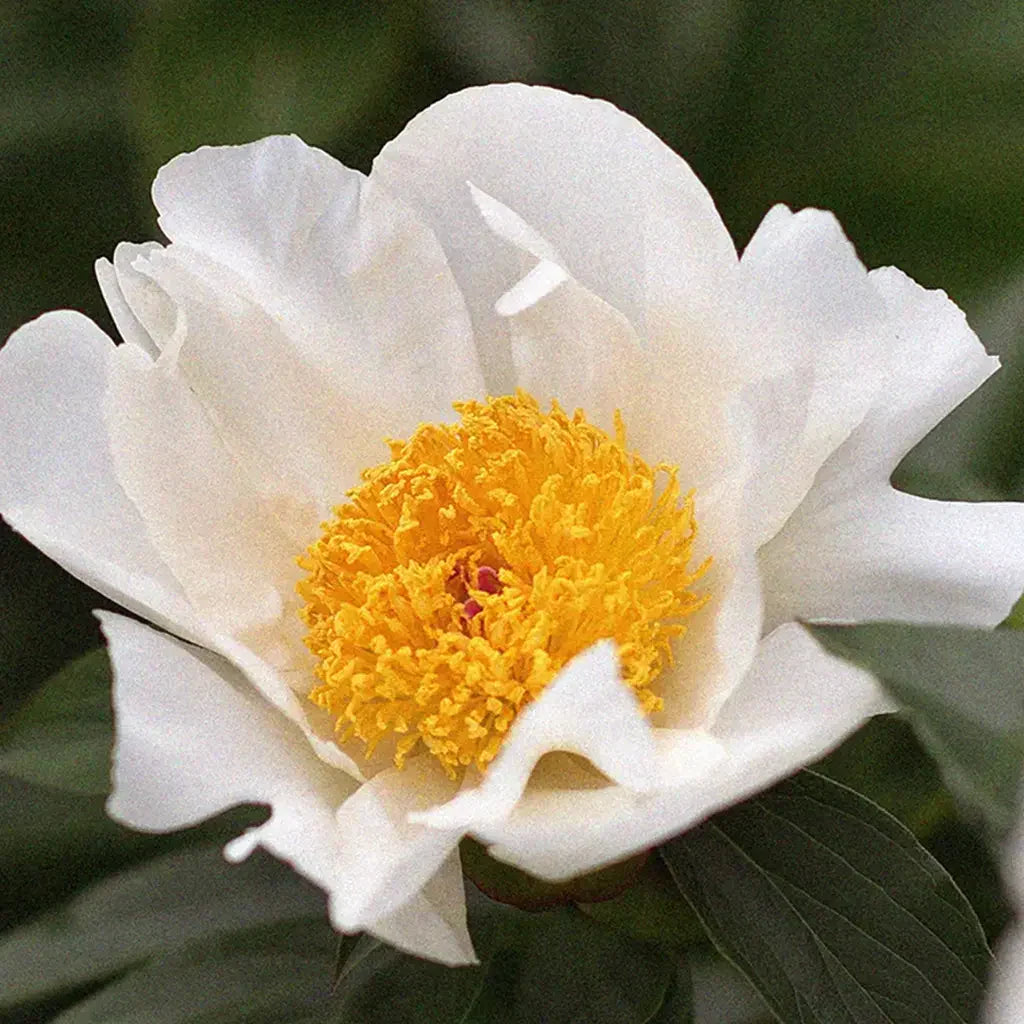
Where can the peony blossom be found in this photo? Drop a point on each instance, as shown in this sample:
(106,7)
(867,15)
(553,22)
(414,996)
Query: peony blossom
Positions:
(1004,999)
(569,634)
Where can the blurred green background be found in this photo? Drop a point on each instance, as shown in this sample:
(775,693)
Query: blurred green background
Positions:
(905,117)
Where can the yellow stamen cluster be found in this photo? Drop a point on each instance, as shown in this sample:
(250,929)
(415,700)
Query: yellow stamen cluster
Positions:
(463,574)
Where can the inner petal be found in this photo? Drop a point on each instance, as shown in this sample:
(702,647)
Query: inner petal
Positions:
(464,573)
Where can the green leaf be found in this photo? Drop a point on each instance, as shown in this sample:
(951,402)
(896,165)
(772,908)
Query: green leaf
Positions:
(263,977)
(832,909)
(159,907)
(964,694)
(556,966)
(61,737)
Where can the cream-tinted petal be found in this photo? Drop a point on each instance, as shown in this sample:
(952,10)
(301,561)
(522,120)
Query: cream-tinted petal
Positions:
(609,196)
(586,710)
(357,284)
(885,555)
(58,485)
(433,922)
(795,704)
(209,525)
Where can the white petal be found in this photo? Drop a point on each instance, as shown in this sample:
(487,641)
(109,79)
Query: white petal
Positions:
(507,224)
(386,858)
(192,737)
(209,526)
(1004,996)
(573,348)
(302,429)
(795,704)
(810,298)
(856,549)
(586,710)
(612,199)
(881,554)
(358,285)
(58,486)
(936,362)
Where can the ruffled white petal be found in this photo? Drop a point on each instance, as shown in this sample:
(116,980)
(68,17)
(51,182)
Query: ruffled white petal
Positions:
(856,549)
(142,311)
(193,738)
(795,704)
(621,208)
(936,362)
(586,710)
(58,484)
(367,311)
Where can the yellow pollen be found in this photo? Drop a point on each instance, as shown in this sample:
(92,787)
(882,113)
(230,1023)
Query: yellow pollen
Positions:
(459,577)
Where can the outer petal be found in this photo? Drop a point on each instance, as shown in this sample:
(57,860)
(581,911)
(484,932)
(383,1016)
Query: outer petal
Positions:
(58,485)
(193,738)
(884,555)
(369,316)
(936,362)
(433,922)
(603,190)
(796,703)
(857,549)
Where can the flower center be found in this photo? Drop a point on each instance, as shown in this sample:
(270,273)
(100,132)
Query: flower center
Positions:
(459,577)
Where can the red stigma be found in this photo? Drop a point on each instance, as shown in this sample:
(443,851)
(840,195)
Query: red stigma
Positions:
(487,580)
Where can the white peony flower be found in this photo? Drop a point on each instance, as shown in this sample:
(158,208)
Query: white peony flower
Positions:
(1004,998)
(514,627)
